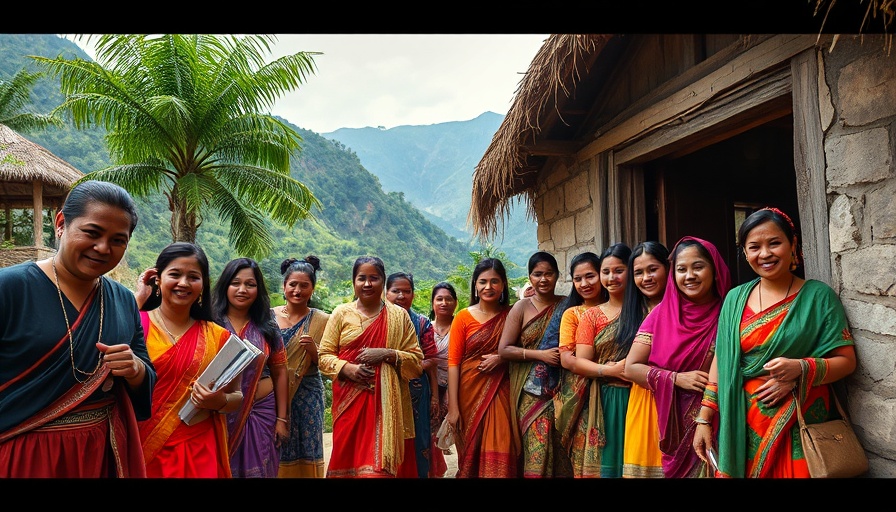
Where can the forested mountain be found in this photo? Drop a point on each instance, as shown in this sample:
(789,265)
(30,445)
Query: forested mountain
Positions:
(357,217)
(433,165)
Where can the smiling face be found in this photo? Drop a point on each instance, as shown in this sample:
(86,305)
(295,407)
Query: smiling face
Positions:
(298,288)
(368,283)
(586,279)
(768,251)
(650,275)
(401,293)
(694,275)
(181,282)
(489,286)
(243,290)
(543,278)
(613,274)
(93,243)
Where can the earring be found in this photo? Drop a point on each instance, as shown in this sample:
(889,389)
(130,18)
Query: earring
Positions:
(158,292)
(200,300)
(794,260)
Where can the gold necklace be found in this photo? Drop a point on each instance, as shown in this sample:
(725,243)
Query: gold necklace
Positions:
(284,313)
(71,342)
(174,338)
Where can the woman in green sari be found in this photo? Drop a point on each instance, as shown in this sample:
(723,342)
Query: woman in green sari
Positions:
(768,329)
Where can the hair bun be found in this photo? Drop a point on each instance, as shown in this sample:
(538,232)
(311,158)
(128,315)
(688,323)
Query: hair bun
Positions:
(314,261)
(286,263)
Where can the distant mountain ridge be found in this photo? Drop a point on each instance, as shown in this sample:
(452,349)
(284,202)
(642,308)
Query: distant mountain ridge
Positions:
(433,166)
(359,215)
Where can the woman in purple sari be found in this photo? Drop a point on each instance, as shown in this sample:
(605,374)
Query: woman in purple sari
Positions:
(255,430)
(674,347)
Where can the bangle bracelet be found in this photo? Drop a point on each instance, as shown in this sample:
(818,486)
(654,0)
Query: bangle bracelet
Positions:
(226,402)
(284,420)
(524,354)
(702,421)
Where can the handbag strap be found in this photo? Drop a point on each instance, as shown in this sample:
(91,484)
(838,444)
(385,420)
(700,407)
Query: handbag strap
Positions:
(798,391)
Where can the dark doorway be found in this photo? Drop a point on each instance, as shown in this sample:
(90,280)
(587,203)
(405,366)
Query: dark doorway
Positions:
(708,192)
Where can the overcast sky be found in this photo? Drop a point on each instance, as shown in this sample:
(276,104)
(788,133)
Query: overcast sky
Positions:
(402,79)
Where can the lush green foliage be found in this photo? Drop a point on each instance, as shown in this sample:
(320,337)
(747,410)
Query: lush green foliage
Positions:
(184,116)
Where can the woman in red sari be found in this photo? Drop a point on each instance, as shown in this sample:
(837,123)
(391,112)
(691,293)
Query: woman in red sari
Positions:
(370,351)
(768,328)
(479,410)
(182,339)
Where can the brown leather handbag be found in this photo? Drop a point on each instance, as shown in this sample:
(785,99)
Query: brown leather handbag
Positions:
(831,448)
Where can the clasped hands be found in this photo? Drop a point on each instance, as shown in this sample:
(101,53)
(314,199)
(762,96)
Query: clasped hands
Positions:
(783,376)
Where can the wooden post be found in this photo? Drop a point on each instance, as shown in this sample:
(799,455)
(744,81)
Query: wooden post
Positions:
(38,199)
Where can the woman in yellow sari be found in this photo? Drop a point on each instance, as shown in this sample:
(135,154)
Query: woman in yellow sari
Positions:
(488,438)
(648,269)
(534,410)
(768,329)
(182,339)
(370,351)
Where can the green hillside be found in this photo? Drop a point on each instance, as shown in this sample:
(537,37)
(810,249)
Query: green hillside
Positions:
(357,217)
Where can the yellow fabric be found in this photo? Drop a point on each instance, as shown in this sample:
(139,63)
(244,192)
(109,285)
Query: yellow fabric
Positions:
(641,455)
(569,323)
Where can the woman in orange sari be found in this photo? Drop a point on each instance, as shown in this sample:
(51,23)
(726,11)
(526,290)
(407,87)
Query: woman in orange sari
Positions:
(370,351)
(768,329)
(479,410)
(534,410)
(182,339)
(570,396)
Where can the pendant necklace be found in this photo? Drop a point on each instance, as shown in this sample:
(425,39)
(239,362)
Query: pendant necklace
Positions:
(174,338)
(71,343)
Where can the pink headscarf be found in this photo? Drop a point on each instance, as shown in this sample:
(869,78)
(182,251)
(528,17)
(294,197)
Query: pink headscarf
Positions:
(684,331)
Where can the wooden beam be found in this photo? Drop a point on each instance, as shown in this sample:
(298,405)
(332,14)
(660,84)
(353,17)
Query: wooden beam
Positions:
(753,104)
(809,164)
(755,60)
(552,148)
(38,217)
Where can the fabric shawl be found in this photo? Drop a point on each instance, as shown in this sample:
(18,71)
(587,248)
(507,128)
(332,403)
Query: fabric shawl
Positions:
(683,333)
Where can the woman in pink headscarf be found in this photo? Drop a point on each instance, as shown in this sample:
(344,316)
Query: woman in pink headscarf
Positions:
(674,347)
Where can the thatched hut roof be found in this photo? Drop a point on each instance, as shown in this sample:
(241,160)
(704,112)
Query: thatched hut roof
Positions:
(23,162)
(503,172)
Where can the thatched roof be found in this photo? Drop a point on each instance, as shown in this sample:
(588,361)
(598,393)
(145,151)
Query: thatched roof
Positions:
(23,162)
(501,173)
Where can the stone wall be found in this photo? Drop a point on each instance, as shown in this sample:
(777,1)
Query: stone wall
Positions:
(858,113)
(859,118)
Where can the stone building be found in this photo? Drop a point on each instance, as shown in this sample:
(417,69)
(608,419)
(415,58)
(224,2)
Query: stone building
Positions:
(633,137)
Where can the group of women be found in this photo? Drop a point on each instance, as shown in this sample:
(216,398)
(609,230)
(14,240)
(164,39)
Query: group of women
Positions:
(651,367)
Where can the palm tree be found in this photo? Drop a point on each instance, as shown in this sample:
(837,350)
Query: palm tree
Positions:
(15,95)
(183,115)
